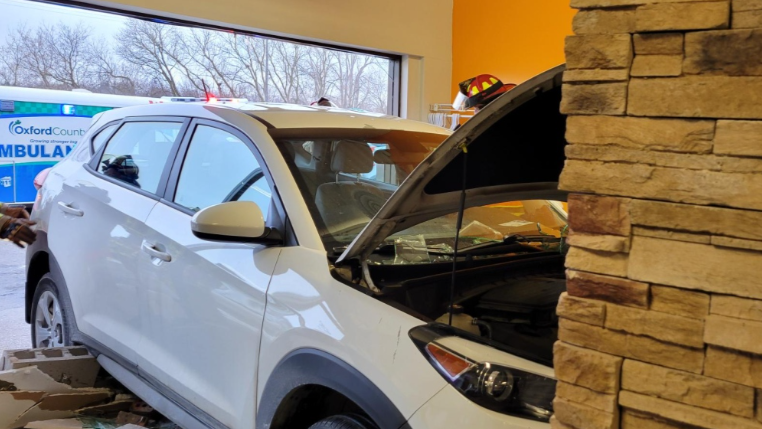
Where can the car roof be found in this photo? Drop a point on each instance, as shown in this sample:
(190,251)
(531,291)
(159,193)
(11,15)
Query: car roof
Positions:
(278,115)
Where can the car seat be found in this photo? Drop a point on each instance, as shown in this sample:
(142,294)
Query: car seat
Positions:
(384,157)
(349,203)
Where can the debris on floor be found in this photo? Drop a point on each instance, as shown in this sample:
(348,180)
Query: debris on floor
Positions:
(124,418)
(74,366)
(55,424)
(65,388)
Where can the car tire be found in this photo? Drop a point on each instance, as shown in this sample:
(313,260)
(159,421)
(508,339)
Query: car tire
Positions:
(343,421)
(50,317)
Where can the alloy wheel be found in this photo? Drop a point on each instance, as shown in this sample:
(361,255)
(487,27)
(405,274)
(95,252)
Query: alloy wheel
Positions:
(48,322)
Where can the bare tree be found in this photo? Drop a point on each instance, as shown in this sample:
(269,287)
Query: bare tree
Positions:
(286,65)
(153,59)
(56,56)
(12,71)
(377,85)
(350,77)
(154,48)
(251,57)
(205,58)
(113,73)
(120,77)
(34,59)
(68,53)
(318,66)
(191,77)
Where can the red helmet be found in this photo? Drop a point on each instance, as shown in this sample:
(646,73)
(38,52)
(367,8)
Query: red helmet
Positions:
(482,89)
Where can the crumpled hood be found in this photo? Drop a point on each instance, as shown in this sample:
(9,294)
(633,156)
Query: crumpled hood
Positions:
(515,151)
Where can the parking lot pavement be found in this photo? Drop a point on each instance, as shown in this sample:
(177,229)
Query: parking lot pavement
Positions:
(14,331)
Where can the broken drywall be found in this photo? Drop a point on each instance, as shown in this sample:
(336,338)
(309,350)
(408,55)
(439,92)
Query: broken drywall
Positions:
(50,396)
(28,395)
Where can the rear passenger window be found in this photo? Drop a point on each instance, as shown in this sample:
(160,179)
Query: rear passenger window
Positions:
(218,168)
(84,152)
(102,136)
(138,152)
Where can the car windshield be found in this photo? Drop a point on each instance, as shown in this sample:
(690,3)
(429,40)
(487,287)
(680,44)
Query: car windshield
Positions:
(346,176)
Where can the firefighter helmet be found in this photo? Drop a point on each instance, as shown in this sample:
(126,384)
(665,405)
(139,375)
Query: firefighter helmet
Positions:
(481,90)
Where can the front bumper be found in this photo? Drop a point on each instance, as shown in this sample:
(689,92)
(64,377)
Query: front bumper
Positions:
(450,409)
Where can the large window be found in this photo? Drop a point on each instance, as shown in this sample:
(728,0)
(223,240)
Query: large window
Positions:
(57,47)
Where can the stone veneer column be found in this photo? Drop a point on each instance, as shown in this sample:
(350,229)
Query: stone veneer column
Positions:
(661,326)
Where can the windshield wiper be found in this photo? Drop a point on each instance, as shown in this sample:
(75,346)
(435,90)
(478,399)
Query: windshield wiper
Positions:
(512,243)
(517,242)
(390,249)
(382,249)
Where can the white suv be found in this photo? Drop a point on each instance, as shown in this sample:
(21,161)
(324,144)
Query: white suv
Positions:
(278,266)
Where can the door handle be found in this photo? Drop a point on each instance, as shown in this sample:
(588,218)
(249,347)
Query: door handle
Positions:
(68,209)
(154,253)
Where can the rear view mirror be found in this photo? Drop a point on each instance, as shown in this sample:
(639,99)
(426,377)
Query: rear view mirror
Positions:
(238,221)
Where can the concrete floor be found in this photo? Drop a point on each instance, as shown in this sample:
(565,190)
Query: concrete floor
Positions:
(14,331)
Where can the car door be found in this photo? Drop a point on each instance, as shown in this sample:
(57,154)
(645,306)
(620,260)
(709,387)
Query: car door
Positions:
(206,299)
(97,228)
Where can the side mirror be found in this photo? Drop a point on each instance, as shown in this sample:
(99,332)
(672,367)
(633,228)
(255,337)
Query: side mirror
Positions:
(239,221)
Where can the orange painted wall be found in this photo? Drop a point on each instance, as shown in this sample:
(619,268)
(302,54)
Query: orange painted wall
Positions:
(511,39)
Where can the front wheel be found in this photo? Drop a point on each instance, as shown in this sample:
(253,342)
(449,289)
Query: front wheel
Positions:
(343,421)
(49,318)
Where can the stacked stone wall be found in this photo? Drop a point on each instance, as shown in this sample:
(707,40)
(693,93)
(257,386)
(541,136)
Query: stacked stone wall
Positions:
(661,324)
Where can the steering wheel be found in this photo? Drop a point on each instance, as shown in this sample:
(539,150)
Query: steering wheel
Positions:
(245,184)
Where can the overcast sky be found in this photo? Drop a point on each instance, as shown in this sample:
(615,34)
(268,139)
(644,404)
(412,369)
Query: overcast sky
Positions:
(15,12)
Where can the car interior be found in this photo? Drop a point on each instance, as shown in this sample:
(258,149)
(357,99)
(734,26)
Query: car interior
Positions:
(349,158)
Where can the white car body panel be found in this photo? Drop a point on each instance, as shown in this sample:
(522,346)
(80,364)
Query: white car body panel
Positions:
(108,238)
(204,310)
(449,409)
(307,308)
(55,177)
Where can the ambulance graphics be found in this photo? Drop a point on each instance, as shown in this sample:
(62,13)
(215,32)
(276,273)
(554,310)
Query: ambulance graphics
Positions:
(39,127)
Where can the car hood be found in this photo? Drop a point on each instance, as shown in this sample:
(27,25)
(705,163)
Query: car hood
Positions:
(515,151)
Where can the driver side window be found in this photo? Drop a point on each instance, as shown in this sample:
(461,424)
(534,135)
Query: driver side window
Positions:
(218,168)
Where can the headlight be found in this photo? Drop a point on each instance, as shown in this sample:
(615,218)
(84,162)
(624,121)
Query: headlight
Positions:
(482,376)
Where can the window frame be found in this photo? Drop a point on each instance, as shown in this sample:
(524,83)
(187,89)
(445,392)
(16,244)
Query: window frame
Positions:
(92,166)
(394,106)
(86,157)
(277,220)
(98,131)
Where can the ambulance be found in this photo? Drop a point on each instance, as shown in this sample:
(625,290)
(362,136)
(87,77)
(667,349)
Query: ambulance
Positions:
(39,127)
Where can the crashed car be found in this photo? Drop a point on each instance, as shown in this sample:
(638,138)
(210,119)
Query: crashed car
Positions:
(277,266)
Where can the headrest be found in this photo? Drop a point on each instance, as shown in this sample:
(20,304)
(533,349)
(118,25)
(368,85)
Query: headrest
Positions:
(383,156)
(352,157)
